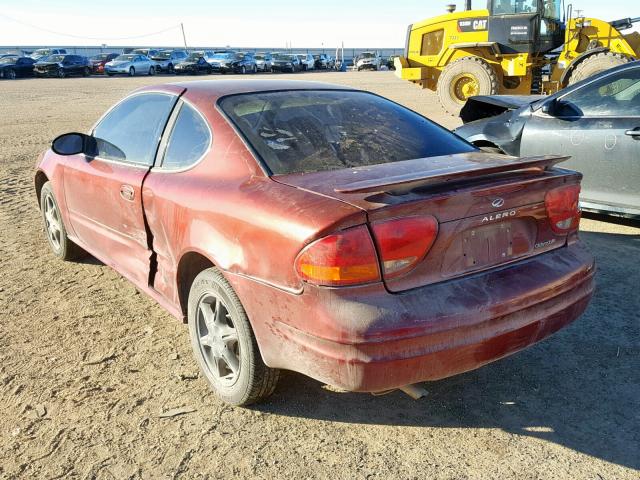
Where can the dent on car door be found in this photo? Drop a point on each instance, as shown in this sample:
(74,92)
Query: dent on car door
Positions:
(595,125)
(103,193)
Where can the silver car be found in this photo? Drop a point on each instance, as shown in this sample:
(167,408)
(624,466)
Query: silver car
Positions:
(167,59)
(130,64)
(596,122)
(263,61)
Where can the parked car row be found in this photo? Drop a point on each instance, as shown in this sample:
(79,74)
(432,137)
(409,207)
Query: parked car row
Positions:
(148,61)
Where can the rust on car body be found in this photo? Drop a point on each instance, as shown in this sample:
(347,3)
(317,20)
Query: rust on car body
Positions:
(467,303)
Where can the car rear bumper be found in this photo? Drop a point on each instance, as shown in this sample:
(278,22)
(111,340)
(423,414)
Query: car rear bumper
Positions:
(366,339)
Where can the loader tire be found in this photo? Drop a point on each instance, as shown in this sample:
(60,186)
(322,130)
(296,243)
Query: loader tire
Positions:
(597,64)
(465,78)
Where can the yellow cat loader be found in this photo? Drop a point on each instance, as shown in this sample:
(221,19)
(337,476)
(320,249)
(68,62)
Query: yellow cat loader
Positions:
(511,48)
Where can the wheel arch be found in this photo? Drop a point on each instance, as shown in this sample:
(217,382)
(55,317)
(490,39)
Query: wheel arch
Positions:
(190,265)
(39,181)
(487,144)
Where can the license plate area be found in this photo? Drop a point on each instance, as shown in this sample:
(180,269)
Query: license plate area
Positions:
(487,245)
(481,247)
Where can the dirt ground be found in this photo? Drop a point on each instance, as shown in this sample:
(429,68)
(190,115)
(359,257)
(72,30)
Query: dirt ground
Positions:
(88,364)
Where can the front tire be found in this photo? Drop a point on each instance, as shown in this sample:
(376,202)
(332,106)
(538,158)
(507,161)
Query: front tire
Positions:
(152,71)
(11,74)
(465,78)
(132,71)
(224,344)
(61,73)
(243,70)
(59,242)
(86,72)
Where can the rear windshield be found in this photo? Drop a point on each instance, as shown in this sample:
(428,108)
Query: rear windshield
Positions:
(309,131)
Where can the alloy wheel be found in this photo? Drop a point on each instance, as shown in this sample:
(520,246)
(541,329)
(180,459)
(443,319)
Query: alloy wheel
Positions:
(52,221)
(218,337)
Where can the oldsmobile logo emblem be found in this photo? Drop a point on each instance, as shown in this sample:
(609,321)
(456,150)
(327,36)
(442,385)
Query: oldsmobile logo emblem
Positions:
(498,203)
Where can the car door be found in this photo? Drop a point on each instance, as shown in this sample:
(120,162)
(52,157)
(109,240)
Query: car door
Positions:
(23,67)
(103,192)
(73,64)
(598,124)
(144,65)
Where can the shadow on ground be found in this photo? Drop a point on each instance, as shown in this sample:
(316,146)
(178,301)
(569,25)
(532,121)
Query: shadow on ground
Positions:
(580,389)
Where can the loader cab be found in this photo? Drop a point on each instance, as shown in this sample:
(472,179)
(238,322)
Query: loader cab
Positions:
(526,26)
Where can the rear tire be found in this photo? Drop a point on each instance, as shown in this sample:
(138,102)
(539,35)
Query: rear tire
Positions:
(59,242)
(243,70)
(465,78)
(152,71)
(224,344)
(596,64)
(86,72)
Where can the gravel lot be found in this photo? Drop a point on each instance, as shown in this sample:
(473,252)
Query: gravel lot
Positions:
(88,364)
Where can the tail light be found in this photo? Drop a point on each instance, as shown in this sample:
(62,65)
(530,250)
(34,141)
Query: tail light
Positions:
(346,258)
(404,242)
(563,208)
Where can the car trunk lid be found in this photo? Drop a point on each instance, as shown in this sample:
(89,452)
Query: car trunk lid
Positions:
(490,209)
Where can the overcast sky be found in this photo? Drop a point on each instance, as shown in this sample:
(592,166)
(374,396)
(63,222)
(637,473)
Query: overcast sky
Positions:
(268,23)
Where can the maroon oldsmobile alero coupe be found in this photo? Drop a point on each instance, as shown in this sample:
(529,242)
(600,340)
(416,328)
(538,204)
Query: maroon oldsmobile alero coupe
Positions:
(330,231)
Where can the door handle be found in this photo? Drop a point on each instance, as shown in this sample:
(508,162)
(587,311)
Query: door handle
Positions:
(127,192)
(633,133)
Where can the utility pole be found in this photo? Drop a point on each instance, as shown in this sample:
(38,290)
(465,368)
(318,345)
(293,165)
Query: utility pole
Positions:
(184,38)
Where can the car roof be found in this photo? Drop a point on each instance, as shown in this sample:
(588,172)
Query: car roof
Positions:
(219,88)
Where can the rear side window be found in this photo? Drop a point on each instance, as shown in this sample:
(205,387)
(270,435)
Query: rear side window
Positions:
(307,131)
(189,140)
(134,127)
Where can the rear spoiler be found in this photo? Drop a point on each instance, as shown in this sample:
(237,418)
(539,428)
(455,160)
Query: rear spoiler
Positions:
(409,181)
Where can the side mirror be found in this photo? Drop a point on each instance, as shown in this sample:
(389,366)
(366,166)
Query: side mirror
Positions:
(76,143)
(70,144)
(549,107)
